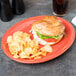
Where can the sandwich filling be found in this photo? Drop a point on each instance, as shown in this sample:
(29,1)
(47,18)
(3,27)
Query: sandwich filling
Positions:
(46,39)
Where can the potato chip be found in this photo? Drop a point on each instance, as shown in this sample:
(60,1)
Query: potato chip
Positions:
(16,56)
(23,55)
(15,46)
(26,35)
(28,51)
(18,33)
(27,39)
(46,48)
(34,44)
(12,50)
(9,39)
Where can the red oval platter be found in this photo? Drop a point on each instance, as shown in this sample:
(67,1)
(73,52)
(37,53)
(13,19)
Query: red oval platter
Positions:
(25,26)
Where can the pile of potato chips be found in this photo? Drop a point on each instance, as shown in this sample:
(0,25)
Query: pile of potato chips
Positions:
(21,46)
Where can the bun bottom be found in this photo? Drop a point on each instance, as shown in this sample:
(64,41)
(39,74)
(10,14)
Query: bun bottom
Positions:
(52,43)
(43,42)
(58,40)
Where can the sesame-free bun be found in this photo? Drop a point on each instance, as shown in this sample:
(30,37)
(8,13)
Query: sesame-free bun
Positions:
(49,26)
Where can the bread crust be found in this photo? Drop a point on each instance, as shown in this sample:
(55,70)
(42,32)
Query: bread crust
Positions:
(49,26)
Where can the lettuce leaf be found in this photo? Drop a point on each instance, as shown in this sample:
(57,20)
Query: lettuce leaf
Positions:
(64,34)
(46,37)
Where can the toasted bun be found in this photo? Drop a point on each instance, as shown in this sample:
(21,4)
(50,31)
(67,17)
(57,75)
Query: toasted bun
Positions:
(49,26)
(43,42)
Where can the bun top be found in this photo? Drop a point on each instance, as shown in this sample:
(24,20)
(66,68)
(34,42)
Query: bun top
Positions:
(49,26)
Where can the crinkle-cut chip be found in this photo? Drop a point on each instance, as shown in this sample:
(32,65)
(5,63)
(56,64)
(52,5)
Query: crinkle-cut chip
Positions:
(26,35)
(34,44)
(28,51)
(23,55)
(9,39)
(18,33)
(17,38)
(16,56)
(31,44)
(27,39)
(46,48)
(12,50)
(15,46)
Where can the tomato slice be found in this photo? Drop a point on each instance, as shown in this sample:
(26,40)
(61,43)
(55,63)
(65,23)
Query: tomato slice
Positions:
(50,40)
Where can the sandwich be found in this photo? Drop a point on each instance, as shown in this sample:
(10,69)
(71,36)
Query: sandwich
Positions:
(48,30)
